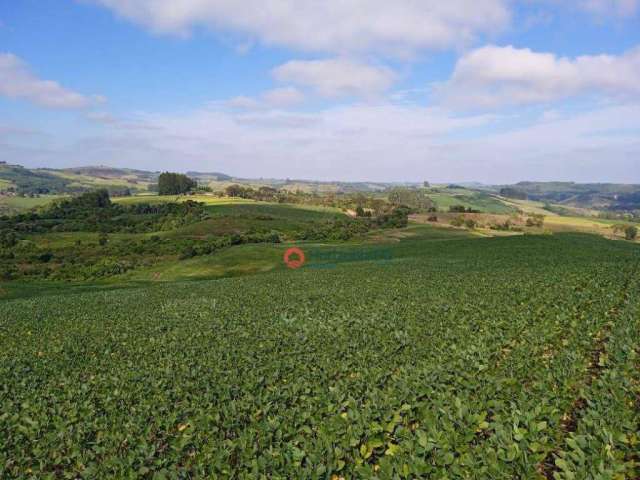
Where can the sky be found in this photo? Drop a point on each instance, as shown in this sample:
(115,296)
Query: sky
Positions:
(493,91)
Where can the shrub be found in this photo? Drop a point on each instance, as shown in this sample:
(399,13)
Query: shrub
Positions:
(45,257)
(458,221)
(630,232)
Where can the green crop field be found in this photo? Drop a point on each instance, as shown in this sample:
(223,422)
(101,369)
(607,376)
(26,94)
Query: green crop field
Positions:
(485,202)
(475,358)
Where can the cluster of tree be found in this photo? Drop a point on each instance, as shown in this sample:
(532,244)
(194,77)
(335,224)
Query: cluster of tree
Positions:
(175,184)
(8,238)
(414,198)
(397,218)
(335,230)
(462,209)
(505,226)
(340,229)
(535,220)
(211,246)
(94,212)
(630,231)
(266,194)
(461,221)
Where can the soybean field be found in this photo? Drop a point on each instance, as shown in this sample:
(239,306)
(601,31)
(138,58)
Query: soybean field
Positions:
(491,358)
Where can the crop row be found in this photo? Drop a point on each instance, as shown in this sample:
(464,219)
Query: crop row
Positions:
(461,363)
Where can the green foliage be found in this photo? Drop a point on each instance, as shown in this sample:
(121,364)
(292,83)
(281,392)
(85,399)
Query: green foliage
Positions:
(8,238)
(94,212)
(175,184)
(457,221)
(631,232)
(462,209)
(459,363)
(413,198)
(535,220)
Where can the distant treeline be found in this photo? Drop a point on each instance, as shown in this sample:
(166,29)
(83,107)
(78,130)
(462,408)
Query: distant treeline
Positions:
(94,212)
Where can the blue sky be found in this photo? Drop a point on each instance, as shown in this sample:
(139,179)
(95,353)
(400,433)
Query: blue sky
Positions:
(465,90)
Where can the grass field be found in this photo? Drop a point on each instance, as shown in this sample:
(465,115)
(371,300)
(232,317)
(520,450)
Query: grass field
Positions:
(252,259)
(475,358)
(18,204)
(445,198)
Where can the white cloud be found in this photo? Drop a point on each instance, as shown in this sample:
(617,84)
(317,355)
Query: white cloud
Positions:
(380,142)
(275,98)
(336,77)
(101,117)
(622,8)
(399,27)
(494,76)
(283,97)
(17,81)
(243,102)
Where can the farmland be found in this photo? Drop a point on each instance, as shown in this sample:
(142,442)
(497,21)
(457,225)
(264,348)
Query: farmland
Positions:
(475,358)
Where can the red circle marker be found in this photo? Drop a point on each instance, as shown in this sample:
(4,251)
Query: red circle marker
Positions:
(294,262)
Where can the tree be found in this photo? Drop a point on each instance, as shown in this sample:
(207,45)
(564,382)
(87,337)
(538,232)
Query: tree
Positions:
(458,221)
(235,191)
(631,232)
(96,199)
(175,184)
(8,238)
(359,211)
(470,223)
(535,220)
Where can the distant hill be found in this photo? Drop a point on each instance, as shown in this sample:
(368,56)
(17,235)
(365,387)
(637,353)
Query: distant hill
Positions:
(18,180)
(49,181)
(597,196)
(24,181)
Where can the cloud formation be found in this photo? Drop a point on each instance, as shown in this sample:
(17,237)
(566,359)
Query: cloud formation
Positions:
(283,97)
(495,76)
(276,98)
(336,77)
(17,81)
(622,8)
(382,142)
(399,27)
